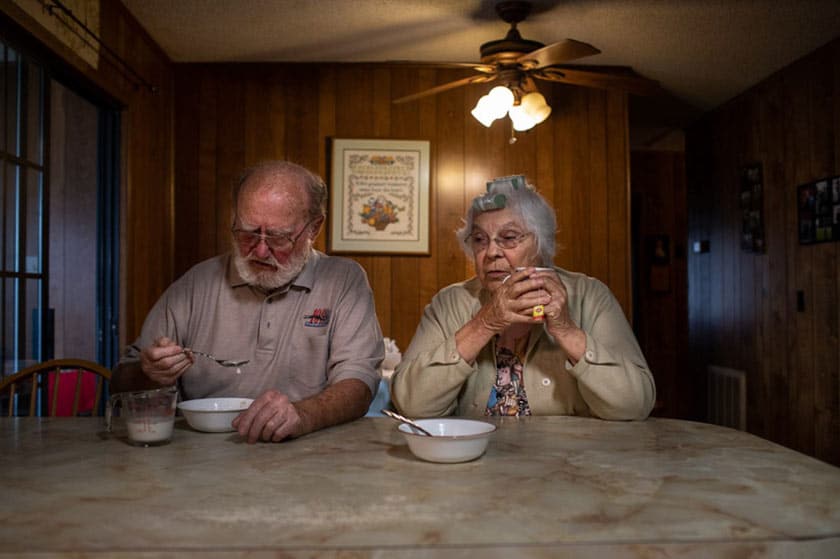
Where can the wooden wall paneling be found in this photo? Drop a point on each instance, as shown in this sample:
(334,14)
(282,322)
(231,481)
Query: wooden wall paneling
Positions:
(426,266)
(265,118)
(410,283)
(658,181)
(379,268)
(748,153)
(544,156)
(300,100)
(663,325)
(188,227)
(699,199)
(327,85)
(758,422)
(569,186)
(835,71)
(147,252)
(800,264)
(520,155)
(230,156)
(618,200)
(599,218)
(449,205)
(778,195)
(683,390)
(730,294)
(789,123)
(204,192)
(720,283)
(742,302)
(354,116)
(825,331)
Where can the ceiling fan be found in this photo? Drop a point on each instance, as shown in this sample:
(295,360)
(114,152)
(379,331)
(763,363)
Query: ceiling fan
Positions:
(515,63)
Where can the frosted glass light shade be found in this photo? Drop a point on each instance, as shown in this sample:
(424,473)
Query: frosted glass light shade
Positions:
(493,105)
(535,105)
(531,110)
(520,118)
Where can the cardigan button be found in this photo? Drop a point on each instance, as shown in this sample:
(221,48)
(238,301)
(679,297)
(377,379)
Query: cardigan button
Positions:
(546,381)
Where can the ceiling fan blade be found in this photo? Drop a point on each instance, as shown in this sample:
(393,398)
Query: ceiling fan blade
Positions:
(483,68)
(603,78)
(445,87)
(555,53)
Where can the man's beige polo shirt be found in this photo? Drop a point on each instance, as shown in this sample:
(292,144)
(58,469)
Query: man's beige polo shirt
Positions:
(320,329)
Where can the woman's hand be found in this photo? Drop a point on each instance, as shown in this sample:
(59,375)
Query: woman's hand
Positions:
(164,361)
(513,301)
(556,315)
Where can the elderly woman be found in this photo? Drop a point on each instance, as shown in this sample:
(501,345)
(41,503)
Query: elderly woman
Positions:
(522,337)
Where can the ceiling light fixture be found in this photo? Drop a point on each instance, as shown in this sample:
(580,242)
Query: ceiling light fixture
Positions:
(526,109)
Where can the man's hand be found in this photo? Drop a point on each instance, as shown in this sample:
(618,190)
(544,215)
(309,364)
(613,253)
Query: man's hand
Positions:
(272,417)
(164,361)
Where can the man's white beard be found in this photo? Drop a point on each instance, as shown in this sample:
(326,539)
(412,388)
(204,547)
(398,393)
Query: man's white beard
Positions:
(271,279)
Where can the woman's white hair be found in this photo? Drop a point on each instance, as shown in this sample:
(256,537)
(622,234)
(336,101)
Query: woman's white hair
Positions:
(536,214)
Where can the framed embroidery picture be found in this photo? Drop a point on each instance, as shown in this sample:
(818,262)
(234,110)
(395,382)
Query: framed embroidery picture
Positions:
(379,197)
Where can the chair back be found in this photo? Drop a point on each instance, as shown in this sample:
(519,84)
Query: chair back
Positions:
(59,387)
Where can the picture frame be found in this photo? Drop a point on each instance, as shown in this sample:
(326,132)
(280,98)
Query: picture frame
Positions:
(379,196)
(751,203)
(818,206)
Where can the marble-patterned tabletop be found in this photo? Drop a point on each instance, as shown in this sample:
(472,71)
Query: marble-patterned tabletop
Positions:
(546,487)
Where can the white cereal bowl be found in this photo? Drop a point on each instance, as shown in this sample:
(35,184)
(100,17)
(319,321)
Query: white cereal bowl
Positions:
(213,415)
(454,440)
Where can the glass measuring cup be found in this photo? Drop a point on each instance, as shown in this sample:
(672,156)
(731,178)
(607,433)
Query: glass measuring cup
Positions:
(149,415)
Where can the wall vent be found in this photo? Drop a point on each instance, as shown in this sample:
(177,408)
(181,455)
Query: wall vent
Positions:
(727,397)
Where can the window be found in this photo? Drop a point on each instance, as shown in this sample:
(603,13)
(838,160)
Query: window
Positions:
(22,184)
(59,215)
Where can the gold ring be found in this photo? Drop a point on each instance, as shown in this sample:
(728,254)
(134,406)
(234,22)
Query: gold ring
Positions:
(538,311)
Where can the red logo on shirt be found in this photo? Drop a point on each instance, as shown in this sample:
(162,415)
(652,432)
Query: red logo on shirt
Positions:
(318,319)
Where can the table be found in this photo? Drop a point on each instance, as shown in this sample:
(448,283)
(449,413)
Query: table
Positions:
(547,487)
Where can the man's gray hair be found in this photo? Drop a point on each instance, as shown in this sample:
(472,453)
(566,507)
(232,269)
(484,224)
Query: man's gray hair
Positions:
(536,214)
(312,183)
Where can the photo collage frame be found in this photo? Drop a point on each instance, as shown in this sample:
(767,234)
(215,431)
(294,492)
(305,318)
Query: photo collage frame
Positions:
(819,211)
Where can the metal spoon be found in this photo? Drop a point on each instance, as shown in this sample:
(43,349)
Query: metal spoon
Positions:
(222,362)
(412,423)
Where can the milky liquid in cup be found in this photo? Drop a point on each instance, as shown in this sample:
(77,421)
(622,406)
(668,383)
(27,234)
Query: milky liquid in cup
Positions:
(150,430)
(149,415)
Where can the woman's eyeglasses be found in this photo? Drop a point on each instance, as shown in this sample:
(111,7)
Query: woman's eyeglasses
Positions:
(281,242)
(507,240)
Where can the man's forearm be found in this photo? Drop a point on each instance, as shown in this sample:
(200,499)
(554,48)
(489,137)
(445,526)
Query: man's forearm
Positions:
(341,402)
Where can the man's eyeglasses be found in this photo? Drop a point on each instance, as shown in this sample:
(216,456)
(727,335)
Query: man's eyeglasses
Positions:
(282,242)
(507,240)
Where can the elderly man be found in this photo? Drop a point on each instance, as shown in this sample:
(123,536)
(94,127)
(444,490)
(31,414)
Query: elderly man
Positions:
(305,321)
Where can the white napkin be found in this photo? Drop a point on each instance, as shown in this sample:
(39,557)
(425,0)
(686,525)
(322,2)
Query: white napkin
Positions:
(392,357)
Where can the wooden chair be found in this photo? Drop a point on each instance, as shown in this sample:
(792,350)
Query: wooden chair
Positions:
(45,379)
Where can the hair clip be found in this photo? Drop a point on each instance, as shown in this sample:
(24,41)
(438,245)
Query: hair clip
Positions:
(489,202)
(515,181)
